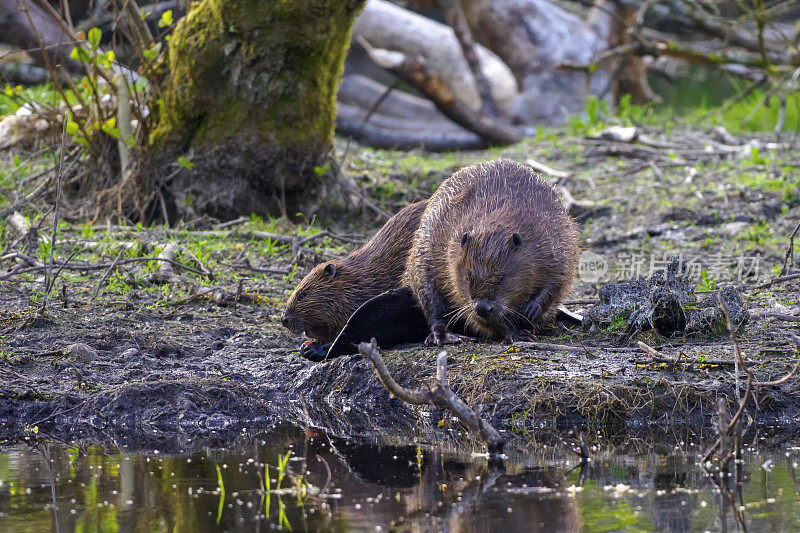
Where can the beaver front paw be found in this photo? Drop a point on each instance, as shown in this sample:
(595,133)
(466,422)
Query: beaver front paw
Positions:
(522,335)
(314,351)
(440,336)
(532,311)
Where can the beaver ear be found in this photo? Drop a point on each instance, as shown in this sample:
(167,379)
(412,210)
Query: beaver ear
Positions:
(330,270)
(516,240)
(465,239)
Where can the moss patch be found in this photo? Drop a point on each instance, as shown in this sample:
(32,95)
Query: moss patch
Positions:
(269,69)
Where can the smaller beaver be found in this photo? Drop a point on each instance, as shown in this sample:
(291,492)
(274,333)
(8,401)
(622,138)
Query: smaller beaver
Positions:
(495,253)
(323,302)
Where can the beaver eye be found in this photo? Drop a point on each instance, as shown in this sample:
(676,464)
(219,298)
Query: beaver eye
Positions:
(301,297)
(501,278)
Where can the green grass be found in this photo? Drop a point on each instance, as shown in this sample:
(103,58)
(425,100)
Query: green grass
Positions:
(12,98)
(755,113)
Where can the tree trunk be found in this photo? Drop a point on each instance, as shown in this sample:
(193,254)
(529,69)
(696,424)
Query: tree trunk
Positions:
(249,98)
(631,70)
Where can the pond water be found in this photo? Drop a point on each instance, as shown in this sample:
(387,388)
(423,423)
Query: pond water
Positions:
(331,484)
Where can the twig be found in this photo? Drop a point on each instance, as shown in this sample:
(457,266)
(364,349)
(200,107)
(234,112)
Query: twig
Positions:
(583,447)
(100,266)
(788,376)
(234,222)
(59,174)
(165,271)
(105,275)
(652,352)
(326,233)
(788,257)
(751,381)
(58,272)
(659,358)
(439,395)
(238,295)
(783,316)
(124,124)
(550,346)
(246,264)
(241,253)
(779,279)
(143,37)
(185,251)
(375,105)
(324,489)
(540,167)
(25,200)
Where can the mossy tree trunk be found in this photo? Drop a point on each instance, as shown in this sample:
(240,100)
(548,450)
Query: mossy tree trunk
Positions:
(249,98)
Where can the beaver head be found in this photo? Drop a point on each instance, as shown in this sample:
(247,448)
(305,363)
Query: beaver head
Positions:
(488,264)
(323,301)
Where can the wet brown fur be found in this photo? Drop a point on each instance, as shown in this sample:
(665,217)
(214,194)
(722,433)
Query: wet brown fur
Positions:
(490,202)
(322,303)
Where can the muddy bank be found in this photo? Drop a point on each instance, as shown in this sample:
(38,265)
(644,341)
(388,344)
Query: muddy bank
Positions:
(199,354)
(168,378)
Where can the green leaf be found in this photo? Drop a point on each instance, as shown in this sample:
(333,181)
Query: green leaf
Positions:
(93,37)
(72,127)
(17,161)
(111,132)
(166,19)
(106,59)
(152,52)
(109,127)
(80,53)
(185,163)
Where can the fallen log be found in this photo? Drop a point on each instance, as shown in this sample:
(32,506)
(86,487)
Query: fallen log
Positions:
(416,72)
(384,25)
(533,37)
(397,120)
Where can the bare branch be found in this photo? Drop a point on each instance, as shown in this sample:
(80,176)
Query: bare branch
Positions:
(439,395)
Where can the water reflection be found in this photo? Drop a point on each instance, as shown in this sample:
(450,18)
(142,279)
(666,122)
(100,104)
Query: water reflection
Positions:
(338,485)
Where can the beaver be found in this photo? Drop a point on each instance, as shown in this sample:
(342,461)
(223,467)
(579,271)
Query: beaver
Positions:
(324,300)
(495,252)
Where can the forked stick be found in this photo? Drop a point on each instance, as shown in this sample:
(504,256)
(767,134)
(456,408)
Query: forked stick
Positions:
(439,395)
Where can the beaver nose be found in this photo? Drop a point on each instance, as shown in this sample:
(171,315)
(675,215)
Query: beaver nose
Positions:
(284,320)
(483,308)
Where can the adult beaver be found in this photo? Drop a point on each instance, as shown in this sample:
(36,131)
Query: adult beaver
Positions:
(327,297)
(495,252)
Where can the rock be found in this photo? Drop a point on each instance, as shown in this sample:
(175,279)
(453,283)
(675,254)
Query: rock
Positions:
(130,353)
(666,303)
(82,353)
(618,134)
(732,229)
(27,130)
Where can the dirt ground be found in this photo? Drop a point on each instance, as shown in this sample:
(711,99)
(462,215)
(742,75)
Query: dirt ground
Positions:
(123,351)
